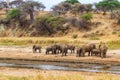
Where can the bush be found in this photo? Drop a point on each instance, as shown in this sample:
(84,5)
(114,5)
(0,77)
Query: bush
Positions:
(14,13)
(87,16)
(48,24)
(74,36)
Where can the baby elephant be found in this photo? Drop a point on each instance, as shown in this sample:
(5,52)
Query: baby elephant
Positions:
(95,52)
(36,47)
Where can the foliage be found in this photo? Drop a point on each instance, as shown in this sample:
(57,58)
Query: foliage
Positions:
(31,6)
(74,36)
(72,1)
(106,5)
(87,16)
(14,13)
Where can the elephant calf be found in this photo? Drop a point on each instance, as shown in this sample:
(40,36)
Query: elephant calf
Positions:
(36,47)
(95,52)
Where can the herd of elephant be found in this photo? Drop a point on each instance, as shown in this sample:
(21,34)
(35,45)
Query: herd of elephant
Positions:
(91,49)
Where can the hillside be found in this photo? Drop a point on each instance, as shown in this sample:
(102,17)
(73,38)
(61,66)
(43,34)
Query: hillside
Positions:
(102,27)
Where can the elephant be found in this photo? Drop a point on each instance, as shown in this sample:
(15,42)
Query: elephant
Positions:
(64,49)
(71,48)
(78,52)
(95,52)
(58,48)
(36,47)
(87,48)
(51,49)
(103,50)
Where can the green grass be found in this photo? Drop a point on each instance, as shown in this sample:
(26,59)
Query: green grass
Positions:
(94,38)
(33,40)
(45,41)
(114,44)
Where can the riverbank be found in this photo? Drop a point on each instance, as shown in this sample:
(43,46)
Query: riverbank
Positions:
(22,54)
(35,74)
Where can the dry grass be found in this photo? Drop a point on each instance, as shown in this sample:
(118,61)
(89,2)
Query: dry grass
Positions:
(64,77)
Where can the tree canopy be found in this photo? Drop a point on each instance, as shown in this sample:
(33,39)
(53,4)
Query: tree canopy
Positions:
(72,1)
(108,5)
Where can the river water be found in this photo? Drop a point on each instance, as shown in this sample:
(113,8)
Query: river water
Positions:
(66,67)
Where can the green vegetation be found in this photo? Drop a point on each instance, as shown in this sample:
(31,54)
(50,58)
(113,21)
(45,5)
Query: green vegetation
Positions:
(114,44)
(14,13)
(74,36)
(87,16)
(94,38)
(106,5)
(72,1)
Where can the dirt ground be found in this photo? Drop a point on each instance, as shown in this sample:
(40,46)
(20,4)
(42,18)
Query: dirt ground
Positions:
(113,56)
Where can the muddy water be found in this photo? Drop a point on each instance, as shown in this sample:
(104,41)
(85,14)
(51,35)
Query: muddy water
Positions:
(67,67)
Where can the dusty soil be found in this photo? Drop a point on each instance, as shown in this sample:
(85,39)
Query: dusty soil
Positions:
(25,53)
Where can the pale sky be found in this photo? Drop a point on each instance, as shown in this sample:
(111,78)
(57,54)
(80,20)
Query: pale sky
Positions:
(50,3)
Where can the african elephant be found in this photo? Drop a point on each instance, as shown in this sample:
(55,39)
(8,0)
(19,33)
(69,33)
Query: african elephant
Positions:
(78,51)
(95,52)
(103,50)
(87,48)
(51,49)
(36,47)
(64,49)
(71,48)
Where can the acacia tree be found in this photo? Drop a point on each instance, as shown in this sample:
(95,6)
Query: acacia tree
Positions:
(61,7)
(30,6)
(4,4)
(16,3)
(106,5)
(72,1)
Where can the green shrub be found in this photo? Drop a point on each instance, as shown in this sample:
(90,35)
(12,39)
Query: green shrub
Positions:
(14,13)
(74,36)
(87,16)
(114,32)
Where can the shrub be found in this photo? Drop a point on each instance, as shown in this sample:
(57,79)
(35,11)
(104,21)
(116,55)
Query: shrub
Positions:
(87,16)
(14,13)
(114,32)
(74,36)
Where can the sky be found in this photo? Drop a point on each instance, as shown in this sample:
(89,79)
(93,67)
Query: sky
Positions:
(50,3)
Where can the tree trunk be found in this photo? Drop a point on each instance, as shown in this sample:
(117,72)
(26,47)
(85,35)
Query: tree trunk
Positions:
(31,17)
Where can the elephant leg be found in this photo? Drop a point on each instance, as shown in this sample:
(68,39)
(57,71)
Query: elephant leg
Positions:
(33,50)
(46,52)
(89,53)
(39,50)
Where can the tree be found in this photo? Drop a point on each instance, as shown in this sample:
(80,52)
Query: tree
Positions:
(30,6)
(4,4)
(106,5)
(61,8)
(16,3)
(72,1)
